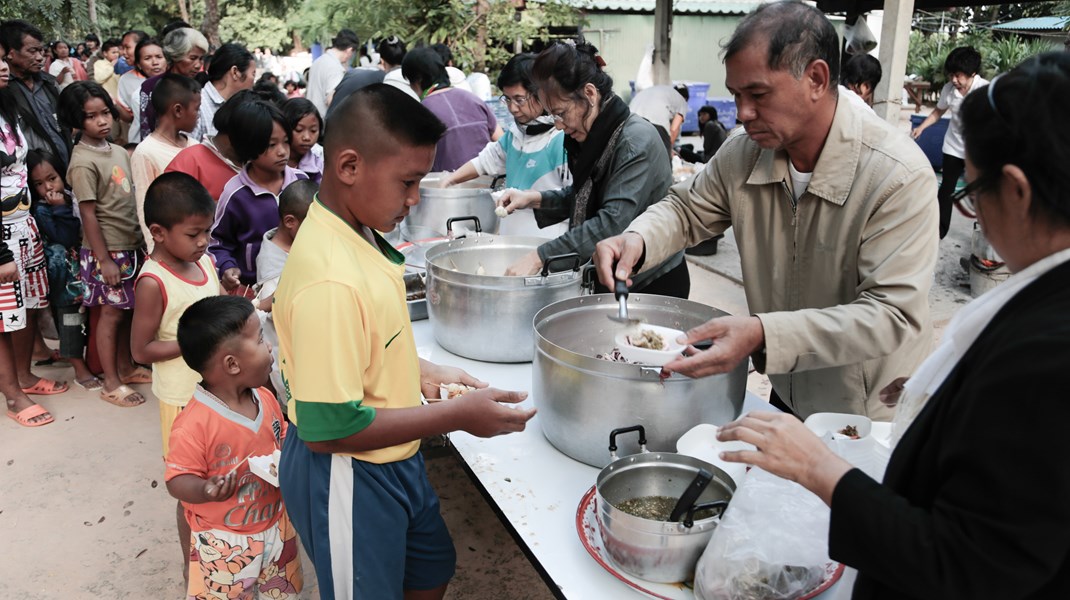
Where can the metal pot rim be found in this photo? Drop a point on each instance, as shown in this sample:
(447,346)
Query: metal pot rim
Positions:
(482,243)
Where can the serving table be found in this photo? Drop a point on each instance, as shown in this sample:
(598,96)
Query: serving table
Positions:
(535,489)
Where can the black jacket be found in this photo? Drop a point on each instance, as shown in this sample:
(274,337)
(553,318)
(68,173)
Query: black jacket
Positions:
(976,500)
(30,119)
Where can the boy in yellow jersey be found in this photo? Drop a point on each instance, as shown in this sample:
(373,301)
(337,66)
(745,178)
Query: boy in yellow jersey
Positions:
(179,272)
(352,478)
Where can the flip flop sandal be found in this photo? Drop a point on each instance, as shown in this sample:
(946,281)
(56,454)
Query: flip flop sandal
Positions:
(91,384)
(25,416)
(138,375)
(46,387)
(51,360)
(121,396)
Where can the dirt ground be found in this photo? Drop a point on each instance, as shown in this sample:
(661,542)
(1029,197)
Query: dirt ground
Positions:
(84,512)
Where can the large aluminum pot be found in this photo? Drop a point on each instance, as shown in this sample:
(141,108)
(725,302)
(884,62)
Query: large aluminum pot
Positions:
(479,313)
(582,398)
(656,550)
(439,204)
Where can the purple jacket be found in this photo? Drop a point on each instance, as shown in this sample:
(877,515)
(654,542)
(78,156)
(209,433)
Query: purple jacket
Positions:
(245,212)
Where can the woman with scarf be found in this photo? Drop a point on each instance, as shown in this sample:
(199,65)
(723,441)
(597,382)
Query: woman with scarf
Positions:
(470,124)
(617,161)
(975,502)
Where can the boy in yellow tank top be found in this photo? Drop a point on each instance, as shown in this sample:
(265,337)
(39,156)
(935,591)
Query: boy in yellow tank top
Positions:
(179,213)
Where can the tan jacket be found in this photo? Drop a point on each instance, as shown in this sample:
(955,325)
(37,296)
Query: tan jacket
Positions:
(841,282)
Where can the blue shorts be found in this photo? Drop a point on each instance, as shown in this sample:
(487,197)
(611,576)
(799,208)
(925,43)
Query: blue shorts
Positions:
(371,531)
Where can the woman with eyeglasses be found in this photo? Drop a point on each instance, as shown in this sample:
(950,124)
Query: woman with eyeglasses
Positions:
(618,166)
(470,124)
(975,502)
(531,154)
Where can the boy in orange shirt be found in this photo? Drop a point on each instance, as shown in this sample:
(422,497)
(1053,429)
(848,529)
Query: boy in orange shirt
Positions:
(242,544)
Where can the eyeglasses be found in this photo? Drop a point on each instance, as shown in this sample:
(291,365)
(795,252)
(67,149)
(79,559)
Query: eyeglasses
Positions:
(559,115)
(520,101)
(970,191)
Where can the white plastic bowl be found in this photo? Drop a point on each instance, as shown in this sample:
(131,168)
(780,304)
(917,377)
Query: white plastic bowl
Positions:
(647,356)
(824,424)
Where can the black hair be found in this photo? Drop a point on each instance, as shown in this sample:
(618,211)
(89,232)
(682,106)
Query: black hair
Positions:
(862,68)
(208,324)
(518,72)
(228,55)
(296,197)
(145,43)
(139,34)
(12,32)
(424,67)
(797,34)
(683,91)
(173,89)
(296,109)
(52,48)
(36,158)
(173,197)
(391,50)
(569,67)
(255,120)
(963,59)
(269,92)
(70,111)
(1025,124)
(269,77)
(708,110)
(444,51)
(221,120)
(92,37)
(109,44)
(374,117)
(173,25)
(346,39)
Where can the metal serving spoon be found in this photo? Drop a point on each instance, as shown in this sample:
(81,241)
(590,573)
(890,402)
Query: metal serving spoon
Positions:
(620,292)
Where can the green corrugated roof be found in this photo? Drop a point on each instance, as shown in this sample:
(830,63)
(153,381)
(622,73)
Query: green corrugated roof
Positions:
(710,7)
(1035,24)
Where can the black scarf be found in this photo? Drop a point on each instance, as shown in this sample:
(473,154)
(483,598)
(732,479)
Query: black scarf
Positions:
(584,157)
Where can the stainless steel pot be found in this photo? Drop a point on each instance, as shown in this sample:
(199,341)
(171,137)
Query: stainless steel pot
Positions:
(660,551)
(479,313)
(438,204)
(582,398)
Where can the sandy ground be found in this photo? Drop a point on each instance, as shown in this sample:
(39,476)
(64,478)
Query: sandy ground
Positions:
(84,512)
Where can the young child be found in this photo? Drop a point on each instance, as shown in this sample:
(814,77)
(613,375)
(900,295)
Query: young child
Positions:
(248,207)
(304,124)
(242,545)
(176,101)
(350,368)
(111,242)
(293,206)
(53,209)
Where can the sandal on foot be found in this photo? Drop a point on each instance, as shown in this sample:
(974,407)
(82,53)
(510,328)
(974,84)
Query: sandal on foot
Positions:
(122,396)
(51,360)
(138,375)
(46,387)
(90,384)
(25,416)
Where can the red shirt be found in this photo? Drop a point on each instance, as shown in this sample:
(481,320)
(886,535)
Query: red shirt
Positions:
(204,165)
(209,439)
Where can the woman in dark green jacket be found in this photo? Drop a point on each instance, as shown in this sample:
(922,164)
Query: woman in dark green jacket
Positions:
(618,166)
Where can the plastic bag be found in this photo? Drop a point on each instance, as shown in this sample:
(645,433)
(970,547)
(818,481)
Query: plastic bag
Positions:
(644,78)
(771,544)
(859,37)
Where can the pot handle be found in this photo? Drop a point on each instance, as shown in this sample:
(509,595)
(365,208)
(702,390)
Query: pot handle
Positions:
(561,257)
(587,279)
(613,439)
(451,221)
(689,520)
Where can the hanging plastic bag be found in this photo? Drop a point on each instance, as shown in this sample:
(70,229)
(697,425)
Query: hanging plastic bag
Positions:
(771,544)
(644,78)
(859,37)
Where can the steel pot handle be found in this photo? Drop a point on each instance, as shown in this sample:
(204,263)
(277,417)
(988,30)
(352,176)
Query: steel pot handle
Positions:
(561,257)
(689,519)
(588,278)
(613,439)
(450,222)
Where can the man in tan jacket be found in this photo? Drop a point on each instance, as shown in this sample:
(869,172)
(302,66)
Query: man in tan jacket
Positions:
(834,214)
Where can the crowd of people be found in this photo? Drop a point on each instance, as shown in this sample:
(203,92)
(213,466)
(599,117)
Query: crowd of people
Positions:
(189,225)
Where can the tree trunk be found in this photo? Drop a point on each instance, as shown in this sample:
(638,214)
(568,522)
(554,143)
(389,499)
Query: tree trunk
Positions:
(480,51)
(183,10)
(91,7)
(210,26)
(298,46)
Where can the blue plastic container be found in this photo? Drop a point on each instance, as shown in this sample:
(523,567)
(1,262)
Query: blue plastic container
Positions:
(932,139)
(726,111)
(696,91)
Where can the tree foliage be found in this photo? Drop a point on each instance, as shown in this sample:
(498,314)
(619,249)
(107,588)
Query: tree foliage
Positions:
(255,28)
(928,53)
